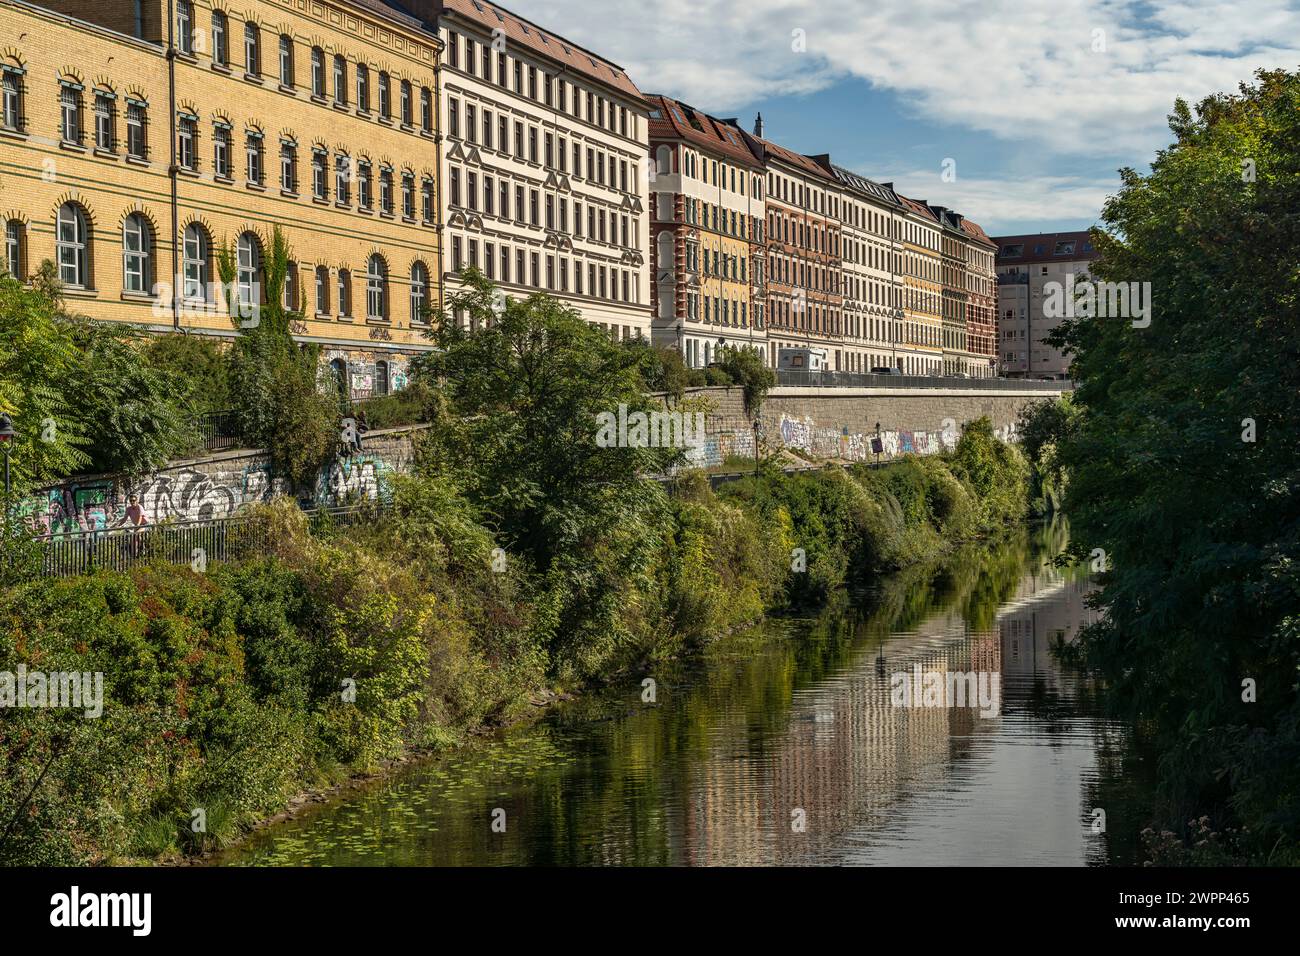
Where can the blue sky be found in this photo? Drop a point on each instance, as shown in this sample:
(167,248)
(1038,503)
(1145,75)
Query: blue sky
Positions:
(1038,102)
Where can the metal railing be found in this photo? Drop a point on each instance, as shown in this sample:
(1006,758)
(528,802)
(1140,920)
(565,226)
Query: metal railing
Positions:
(218,430)
(179,542)
(798,377)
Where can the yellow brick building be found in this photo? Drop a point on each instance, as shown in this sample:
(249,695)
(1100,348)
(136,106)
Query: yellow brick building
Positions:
(132,170)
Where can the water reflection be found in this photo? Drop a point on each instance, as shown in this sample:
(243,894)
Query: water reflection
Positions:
(783,746)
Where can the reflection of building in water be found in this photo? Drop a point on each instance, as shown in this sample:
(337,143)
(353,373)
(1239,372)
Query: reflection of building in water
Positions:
(1041,618)
(847,755)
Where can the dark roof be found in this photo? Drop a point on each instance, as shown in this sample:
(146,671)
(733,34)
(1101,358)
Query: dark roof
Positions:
(864,186)
(673,118)
(947,218)
(525,33)
(1045,247)
(394,11)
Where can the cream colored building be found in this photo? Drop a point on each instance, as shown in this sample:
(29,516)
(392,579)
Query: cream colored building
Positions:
(317,117)
(707,218)
(543,166)
(870,215)
(921,349)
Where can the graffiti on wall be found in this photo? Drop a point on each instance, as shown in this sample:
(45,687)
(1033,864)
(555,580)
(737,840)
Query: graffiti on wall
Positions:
(70,509)
(354,478)
(365,377)
(803,434)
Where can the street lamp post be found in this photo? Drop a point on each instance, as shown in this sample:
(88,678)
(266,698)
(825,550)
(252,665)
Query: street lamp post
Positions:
(758,427)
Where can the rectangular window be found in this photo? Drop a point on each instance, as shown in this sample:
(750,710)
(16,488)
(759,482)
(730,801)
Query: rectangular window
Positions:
(254,155)
(137,144)
(103,122)
(221,152)
(319,183)
(12,83)
(186,134)
(288,167)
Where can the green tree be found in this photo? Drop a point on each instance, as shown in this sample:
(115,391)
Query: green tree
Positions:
(1183,465)
(37,355)
(1042,427)
(281,399)
(747,369)
(524,386)
(201,363)
(136,416)
(524,391)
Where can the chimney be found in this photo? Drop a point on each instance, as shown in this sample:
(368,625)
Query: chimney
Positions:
(758,125)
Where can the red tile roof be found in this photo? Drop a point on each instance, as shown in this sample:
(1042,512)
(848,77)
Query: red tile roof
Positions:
(525,33)
(766,151)
(917,207)
(976,231)
(675,121)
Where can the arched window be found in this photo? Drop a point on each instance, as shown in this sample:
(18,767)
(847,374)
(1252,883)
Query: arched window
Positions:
(322,290)
(249,264)
(137,252)
(15,251)
(71,245)
(220,38)
(663,161)
(11,75)
(363,88)
(419,292)
(426,109)
(381,378)
(317,72)
(376,288)
(252,49)
(339,368)
(340,79)
(286,60)
(195,263)
(405,96)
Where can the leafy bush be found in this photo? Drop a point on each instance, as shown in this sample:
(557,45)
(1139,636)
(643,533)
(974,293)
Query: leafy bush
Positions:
(746,368)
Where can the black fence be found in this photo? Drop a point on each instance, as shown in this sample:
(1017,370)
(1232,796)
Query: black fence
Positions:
(868,380)
(218,430)
(196,543)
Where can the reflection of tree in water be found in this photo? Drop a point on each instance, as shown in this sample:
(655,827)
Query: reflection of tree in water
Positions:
(794,713)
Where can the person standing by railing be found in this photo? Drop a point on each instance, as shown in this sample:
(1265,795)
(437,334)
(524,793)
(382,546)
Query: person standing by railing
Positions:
(136,520)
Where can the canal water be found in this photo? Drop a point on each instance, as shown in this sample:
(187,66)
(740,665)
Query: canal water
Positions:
(790,744)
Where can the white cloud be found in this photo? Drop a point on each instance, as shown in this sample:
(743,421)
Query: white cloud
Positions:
(1008,206)
(1021,71)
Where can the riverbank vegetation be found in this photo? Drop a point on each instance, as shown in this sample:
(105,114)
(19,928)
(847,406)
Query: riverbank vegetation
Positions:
(1182,467)
(519,557)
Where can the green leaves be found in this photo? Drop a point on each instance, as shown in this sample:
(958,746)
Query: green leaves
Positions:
(1182,458)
